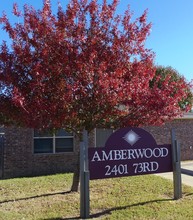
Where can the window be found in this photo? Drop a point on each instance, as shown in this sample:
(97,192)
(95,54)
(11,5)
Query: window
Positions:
(1,130)
(45,142)
(102,135)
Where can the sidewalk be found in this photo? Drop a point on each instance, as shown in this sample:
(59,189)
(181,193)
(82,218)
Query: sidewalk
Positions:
(187,173)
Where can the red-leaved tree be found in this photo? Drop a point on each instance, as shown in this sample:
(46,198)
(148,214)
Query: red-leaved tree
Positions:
(81,68)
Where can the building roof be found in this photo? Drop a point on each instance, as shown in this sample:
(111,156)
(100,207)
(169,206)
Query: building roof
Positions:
(188,115)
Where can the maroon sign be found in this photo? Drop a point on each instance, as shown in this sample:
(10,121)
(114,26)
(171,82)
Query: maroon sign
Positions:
(129,151)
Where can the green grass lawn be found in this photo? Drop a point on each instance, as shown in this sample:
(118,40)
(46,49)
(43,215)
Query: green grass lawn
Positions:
(48,198)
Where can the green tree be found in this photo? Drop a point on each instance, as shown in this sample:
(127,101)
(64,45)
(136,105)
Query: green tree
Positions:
(166,78)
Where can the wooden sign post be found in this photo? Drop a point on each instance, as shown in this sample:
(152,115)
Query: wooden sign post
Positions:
(84,178)
(176,166)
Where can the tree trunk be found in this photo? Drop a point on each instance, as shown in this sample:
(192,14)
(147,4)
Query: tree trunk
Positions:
(76,176)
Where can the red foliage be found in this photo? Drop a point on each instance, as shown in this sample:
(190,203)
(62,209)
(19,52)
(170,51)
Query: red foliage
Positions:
(85,67)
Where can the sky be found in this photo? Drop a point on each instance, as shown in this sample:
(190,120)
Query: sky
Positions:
(171,36)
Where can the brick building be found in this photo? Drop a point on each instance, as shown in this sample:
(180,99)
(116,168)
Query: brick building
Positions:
(24,152)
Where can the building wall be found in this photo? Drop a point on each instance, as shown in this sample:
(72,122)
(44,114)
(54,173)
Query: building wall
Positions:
(184,134)
(1,153)
(19,159)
